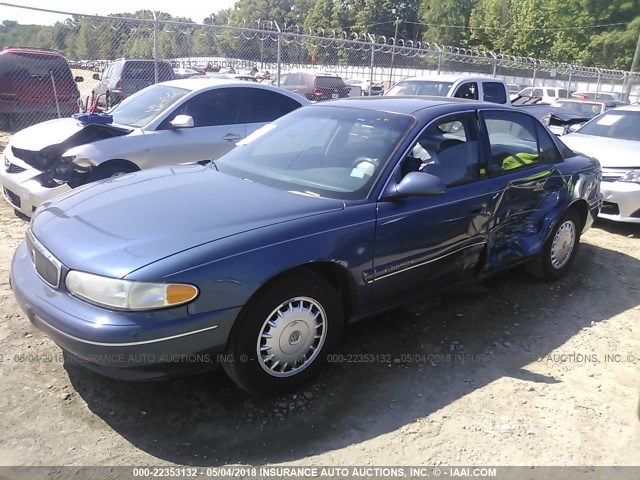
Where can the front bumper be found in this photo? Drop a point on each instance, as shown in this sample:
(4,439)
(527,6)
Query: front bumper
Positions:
(621,201)
(22,190)
(123,345)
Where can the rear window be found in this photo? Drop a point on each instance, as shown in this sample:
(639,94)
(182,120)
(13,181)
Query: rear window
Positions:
(140,70)
(33,66)
(562,93)
(421,87)
(328,82)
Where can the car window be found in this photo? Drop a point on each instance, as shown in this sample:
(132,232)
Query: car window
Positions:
(562,93)
(537,92)
(526,92)
(139,70)
(328,82)
(448,149)
(551,92)
(292,79)
(513,141)
(620,124)
(467,90)
(107,73)
(208,109)
(34,67)
(549,152)
(265,105)
(142,107)
(334,152)
(494,92)
(421,87)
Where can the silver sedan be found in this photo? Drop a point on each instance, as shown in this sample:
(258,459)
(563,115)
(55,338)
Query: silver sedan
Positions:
(189,120)
(614,139)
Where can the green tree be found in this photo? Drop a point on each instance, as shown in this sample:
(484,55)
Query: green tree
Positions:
(447,21)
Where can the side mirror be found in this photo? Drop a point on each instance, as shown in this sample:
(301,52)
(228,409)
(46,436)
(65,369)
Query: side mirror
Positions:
(182,121)
(575,127)
(78,79)
(96,76)
(419,184)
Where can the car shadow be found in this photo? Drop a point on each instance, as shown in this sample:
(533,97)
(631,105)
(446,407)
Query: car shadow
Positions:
(618,228)
(390,371)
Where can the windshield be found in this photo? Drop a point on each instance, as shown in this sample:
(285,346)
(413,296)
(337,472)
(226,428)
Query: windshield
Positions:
(320,151)
(587,108)
(618,124)
(421,87)
(145,105)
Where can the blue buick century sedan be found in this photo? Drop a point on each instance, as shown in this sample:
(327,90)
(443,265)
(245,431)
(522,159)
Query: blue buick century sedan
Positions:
(331,213)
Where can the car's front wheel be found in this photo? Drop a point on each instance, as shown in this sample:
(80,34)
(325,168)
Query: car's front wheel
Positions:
(560,249)
(282,336)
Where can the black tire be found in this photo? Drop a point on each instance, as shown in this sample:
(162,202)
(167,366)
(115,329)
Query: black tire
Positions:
(544,266)
(111,169)
(244,366)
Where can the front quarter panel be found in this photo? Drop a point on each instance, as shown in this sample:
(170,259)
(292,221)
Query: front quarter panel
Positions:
(128,147)
(229,271)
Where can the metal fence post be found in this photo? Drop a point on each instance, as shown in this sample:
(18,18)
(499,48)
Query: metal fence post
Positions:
(155,47)
(570,80)
(598,84)
(373,60)
(279,67)
(439,62)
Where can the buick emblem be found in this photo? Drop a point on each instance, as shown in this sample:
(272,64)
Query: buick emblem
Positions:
(295,337)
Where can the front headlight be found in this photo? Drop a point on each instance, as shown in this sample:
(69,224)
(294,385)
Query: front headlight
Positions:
(127,294)
(633,176)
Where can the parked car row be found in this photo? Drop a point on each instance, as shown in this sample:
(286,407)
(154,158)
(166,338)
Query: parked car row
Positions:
(290,217)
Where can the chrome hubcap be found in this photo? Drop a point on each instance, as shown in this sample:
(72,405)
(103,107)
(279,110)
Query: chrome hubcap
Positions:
(291,337)
(562,245)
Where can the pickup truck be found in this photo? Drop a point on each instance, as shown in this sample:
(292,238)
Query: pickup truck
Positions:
(488,89)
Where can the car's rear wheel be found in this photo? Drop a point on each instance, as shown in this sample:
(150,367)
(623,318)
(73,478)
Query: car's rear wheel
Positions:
(560,249)
(282,336)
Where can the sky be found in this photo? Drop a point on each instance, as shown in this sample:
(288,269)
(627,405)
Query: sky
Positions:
(197,10)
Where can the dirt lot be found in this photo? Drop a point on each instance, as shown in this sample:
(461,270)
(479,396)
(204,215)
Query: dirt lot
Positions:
(536,389)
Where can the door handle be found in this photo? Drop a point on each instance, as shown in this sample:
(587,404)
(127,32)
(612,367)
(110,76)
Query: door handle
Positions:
(231,137)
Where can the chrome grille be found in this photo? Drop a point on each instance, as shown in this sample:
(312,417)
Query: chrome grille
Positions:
(47,266)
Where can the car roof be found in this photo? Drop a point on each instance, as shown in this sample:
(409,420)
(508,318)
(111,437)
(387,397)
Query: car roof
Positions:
(582,100)
(406,104)
(32,51)
(204,83)
(631,108)
(452,78)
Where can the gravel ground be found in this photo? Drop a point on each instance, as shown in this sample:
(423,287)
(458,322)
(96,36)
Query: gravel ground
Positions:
(551,377)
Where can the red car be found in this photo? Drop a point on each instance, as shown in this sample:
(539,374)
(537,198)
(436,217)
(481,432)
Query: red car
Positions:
(31,80)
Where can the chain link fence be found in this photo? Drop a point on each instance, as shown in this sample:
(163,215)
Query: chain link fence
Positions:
(56,70)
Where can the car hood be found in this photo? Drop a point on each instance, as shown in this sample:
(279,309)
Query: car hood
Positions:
(121,224)
(41,135)
(611,152)
(50,140)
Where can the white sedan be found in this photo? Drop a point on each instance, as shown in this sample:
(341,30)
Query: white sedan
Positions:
(614,139)
(193,120)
